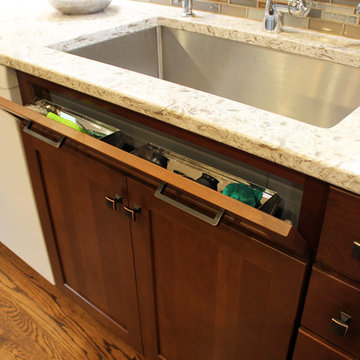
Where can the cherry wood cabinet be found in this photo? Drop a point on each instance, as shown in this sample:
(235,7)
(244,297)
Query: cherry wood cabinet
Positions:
(171,285)
(200,291)
(92,240)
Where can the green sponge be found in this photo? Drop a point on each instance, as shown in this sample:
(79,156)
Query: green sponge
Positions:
(244,193)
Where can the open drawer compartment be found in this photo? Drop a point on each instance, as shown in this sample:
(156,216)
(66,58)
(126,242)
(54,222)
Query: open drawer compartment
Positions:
(234,186)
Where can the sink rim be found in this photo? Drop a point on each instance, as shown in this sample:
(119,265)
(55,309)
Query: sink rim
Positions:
(156,22)
(284,41)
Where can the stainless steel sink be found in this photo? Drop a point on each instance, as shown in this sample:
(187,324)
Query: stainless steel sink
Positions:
(314,91)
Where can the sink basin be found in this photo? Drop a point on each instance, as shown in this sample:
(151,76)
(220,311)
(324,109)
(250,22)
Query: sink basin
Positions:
(314,91)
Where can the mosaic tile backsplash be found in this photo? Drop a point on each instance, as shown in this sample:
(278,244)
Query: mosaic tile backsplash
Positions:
(338,17)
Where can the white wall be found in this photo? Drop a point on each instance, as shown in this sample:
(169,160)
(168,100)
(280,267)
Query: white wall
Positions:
(20,227)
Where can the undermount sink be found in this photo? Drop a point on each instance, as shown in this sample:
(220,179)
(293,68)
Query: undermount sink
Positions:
(314,91)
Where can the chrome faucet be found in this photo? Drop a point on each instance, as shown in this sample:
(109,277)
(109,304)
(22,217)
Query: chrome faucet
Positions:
(274,11)
(187,8)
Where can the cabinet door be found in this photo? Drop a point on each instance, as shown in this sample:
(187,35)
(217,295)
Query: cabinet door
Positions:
(209,292)
(91,235)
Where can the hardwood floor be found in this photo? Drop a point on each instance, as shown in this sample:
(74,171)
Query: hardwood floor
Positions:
(37,322)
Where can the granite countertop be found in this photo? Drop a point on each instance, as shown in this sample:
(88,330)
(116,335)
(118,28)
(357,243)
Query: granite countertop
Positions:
(27,29)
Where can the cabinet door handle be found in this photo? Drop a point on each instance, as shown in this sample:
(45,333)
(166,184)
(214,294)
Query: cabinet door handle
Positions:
(111,202)
(56,144)
(355,253)
(341,324)
(212,221)
(131,213)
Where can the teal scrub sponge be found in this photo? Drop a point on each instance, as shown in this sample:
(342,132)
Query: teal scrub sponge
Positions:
(244,193)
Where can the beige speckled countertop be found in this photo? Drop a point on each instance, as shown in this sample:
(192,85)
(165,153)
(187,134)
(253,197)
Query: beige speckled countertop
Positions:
(332,155)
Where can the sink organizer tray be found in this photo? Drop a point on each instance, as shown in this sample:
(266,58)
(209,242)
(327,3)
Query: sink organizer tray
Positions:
(206,175)
(254,195)
(83,123)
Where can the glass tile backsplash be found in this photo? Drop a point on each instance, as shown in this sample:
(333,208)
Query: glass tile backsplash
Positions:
(336,17)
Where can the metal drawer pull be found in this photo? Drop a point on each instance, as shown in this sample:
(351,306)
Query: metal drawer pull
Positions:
(56,144)
(355,253)
(212,221)
(341,324)
(111,202)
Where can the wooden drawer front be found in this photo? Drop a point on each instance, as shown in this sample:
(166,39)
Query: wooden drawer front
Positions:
(327,297)
(312,347)
(338,247)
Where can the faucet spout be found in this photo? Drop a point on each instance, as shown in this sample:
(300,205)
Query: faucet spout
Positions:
(187,8)
(274,11)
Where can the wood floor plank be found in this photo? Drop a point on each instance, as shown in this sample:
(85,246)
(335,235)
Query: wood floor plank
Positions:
(24,325)
(12,348)
(38,322)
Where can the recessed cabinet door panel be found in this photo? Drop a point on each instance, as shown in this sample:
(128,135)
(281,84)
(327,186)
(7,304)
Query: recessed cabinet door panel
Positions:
(213,292)
(309,346)
(92,235)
